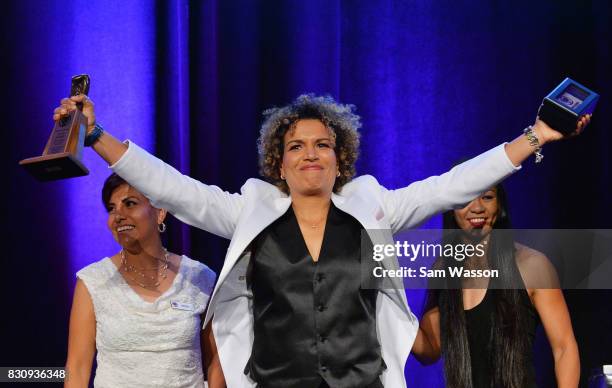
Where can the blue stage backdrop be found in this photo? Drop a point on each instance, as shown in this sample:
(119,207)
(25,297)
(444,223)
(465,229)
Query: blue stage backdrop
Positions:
(434,81)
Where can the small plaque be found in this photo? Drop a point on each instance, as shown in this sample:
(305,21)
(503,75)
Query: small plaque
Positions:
(182,305)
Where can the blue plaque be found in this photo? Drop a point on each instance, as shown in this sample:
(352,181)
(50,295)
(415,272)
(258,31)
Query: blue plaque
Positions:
(564,106)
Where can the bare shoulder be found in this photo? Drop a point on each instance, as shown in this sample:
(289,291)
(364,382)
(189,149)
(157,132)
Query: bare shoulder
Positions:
(529,258)
(536,269)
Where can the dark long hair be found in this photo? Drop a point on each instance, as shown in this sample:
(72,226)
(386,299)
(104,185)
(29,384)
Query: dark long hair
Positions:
(508,340)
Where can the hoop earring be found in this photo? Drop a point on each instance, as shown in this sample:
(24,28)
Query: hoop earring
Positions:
(282,177)
(161,227)
(338,174)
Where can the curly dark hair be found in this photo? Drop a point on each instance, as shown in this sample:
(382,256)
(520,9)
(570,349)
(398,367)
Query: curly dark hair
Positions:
(340,119)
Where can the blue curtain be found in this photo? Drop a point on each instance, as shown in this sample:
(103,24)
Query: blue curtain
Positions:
(434,81)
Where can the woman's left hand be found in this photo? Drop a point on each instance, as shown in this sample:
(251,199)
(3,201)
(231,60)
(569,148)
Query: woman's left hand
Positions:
(547,134)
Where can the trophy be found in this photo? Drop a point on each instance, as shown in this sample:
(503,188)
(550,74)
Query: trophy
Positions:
(564,106)
(61,157)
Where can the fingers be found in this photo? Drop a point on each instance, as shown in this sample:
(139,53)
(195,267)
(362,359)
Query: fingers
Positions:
(64,109)
(584,120)
(61,111)
(69,104)
(78,98)
(582,123)
(81,98)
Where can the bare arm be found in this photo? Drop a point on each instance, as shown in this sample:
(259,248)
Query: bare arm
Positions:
(555,317)
(81,339)
(216,379)
(540,276)
(426,347)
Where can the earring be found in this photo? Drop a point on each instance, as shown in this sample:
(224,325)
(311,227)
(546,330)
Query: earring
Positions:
(161,227)
(338,174)
(282,176)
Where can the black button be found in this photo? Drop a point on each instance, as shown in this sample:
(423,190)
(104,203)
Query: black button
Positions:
(323,368)
(321,307)
(320,277)
(322,339)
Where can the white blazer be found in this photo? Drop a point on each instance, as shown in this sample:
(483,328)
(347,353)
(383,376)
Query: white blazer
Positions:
(241,217)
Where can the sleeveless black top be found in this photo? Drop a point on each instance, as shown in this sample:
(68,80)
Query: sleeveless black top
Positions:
(313,322)
(479,325)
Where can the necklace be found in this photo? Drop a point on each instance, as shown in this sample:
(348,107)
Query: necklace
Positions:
(314,225)
(160,270)
(311,224)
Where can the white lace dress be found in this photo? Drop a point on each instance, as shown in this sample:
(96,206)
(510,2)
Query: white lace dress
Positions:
(148,344)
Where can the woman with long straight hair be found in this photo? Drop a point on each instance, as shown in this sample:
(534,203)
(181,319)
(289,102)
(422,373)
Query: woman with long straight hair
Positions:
(485,327)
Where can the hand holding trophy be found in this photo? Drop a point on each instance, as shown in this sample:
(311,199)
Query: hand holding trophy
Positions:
(62,155)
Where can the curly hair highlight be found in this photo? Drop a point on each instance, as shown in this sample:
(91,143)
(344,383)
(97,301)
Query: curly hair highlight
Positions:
(340,119)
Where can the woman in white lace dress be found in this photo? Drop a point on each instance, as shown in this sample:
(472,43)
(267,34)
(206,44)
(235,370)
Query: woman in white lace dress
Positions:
(141,309)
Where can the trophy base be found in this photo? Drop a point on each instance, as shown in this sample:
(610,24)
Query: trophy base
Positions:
(53,167)
(559,119)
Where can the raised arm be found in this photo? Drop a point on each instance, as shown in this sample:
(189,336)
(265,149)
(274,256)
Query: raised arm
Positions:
(520,148)
(409,206)
(203,206)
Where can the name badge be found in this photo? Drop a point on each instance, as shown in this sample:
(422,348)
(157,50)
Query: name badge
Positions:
(182,306)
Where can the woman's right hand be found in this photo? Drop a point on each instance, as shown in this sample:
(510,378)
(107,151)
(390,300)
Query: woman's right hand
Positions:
(109,148)
(68,105)
(546,134)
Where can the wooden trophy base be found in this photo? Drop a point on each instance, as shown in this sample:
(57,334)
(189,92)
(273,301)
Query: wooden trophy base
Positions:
(55,166)
(62,156)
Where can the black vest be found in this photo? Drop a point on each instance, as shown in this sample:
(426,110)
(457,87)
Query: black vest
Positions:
(312,320)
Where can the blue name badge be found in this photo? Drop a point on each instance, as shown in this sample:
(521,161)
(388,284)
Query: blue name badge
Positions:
(182,305)
(564,106)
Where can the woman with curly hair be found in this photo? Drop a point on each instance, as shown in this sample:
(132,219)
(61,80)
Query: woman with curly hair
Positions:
(289,309)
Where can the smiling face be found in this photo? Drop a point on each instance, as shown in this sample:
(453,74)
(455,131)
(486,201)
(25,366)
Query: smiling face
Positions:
(131,218)
(479,216)
(309,161)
